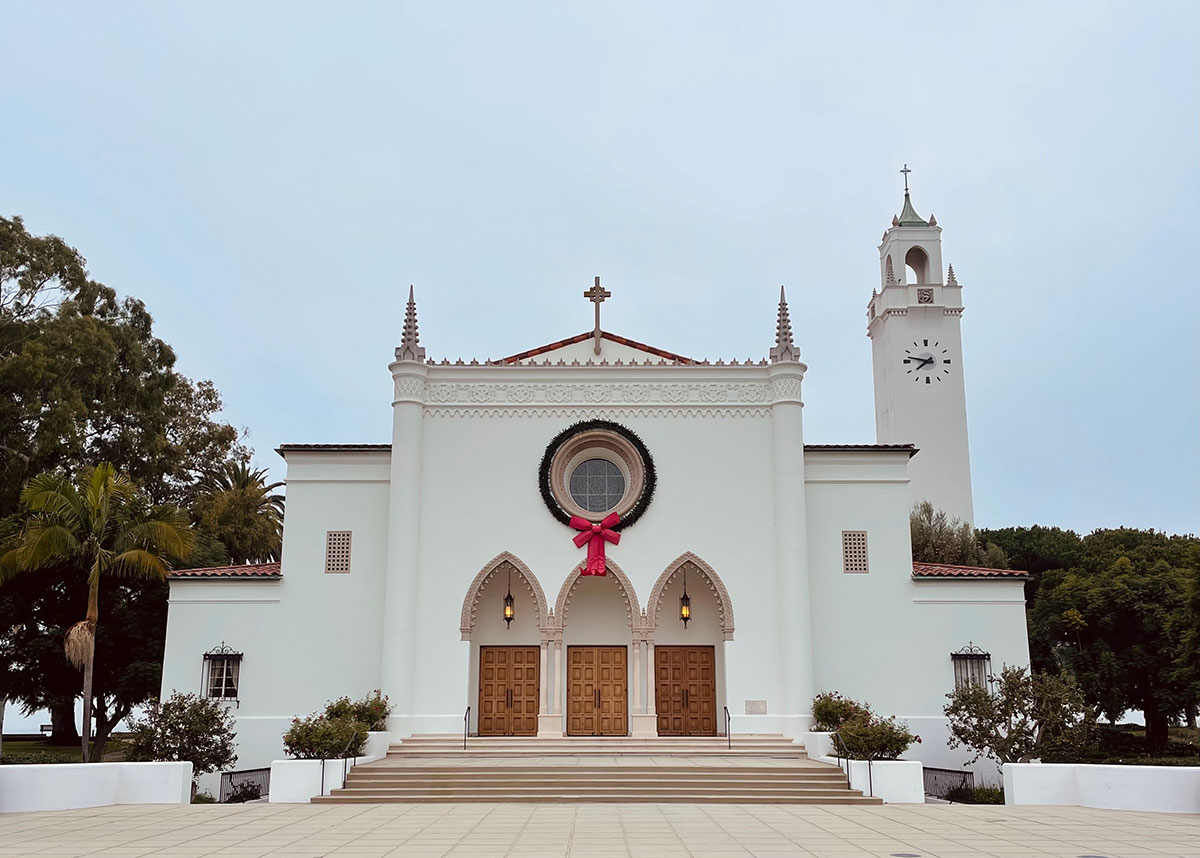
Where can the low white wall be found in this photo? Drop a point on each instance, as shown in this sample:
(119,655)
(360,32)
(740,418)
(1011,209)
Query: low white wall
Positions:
(894,781)
(818,744)
(71,785)
(297,781)
(1171,789)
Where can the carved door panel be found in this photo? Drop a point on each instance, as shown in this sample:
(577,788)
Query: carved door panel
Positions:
(597,691)
(685,690)
(524,697)
(581,691)
(508,690)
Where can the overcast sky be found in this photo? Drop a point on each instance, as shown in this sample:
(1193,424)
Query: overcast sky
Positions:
(270,178)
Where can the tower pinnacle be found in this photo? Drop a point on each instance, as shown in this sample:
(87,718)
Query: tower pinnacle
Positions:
(785,349)
(410,343)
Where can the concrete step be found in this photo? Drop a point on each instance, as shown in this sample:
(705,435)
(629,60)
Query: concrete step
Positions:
(589,796)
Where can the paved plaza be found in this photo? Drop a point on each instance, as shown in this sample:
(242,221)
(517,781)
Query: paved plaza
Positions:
(597,831)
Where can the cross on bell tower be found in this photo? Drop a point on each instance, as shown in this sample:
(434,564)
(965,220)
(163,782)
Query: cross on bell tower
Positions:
(597,294)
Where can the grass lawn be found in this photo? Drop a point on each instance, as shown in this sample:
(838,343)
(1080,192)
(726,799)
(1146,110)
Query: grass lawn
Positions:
(36,751)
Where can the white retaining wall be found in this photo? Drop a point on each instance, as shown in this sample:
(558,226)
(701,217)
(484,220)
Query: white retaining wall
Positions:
(70,785)
(1171,789)
(297,781)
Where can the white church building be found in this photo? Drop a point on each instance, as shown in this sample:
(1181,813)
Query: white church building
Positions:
(737,569)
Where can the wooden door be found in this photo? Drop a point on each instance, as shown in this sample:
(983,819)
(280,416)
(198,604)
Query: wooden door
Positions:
(597,691)
(508,690)
(685,690)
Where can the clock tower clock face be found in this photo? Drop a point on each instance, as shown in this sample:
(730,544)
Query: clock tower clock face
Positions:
(926,360)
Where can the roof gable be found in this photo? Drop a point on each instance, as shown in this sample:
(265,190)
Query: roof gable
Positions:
(613,348)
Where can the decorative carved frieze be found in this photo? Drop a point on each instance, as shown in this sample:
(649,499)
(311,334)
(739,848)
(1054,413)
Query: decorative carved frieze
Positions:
(586,393)
(410,388)
(584,413)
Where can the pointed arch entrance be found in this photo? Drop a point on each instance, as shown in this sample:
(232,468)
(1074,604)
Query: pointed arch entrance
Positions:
(687,660)
(599,620)
(507,676)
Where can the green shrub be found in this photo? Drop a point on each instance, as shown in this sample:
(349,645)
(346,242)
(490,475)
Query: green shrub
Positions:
(829,709)
(203,798)
(185,727)
(869,737)
(989,795)
(34,758)
(319,738)
(372,710)
(977,795)
(244,792)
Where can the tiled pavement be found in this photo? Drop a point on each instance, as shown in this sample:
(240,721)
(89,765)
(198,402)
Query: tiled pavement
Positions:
(598,830)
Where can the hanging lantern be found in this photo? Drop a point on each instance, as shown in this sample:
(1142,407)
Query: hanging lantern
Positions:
(685,603)
(509,612)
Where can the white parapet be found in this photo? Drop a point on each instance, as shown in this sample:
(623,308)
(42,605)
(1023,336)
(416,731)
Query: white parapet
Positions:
(298,781)
(71,785)
(1170,789)
(894,781)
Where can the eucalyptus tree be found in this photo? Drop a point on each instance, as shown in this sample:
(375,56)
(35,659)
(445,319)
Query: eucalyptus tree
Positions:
(97,526)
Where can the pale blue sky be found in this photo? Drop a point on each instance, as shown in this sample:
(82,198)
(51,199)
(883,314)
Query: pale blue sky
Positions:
(269,178)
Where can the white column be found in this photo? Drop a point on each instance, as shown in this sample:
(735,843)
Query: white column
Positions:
(545,681)
(400,617)
(635,652)
(791,544)
(558,689)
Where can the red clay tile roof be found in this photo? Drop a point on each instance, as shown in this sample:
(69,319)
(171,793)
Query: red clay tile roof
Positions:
(249,570)
(945,570)
(867,448)
(587,335)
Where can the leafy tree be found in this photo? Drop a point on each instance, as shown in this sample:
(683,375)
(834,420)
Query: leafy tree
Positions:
(939,538)
(185,727)
(237,507)
(1119,621)
(83,379)
(1019,718)
(1038,550)
(98,527)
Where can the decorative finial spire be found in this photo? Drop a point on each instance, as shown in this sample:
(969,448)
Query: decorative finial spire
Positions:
(951,280)
(889,273)
(785,349)
(410,344)
(908,215)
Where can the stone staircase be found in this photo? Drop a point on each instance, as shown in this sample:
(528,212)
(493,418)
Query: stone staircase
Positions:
(758,769)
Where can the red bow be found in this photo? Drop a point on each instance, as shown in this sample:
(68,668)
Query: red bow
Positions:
(595,535)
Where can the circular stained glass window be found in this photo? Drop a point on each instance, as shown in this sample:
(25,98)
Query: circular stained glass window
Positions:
(597,485)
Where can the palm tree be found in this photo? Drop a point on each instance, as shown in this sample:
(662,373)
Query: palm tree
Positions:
(100,525)
(236,505)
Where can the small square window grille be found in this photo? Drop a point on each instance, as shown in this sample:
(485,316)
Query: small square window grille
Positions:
(972,666)
(854,551)
(337,551)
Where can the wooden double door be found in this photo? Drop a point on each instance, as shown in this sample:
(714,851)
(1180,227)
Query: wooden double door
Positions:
(685,690)
(509,685)
(597,690)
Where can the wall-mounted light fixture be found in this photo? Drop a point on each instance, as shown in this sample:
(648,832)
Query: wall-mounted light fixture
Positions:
(509,612)
(685,603)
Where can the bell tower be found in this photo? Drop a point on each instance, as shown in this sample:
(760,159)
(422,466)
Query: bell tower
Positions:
(914,321)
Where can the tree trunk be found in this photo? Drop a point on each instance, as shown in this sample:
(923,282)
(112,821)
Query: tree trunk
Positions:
(93,614)
(1190,716)
(85,733)
(1156,730)
(3,703)
(62,722)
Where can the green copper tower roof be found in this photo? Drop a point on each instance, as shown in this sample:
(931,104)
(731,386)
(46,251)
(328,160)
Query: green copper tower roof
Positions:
(909,216)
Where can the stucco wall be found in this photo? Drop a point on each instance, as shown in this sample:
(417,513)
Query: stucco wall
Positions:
(309,637)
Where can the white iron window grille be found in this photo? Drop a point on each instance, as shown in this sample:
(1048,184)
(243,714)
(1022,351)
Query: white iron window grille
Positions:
(972,666)
(222,669)
(337,551)
(854,551)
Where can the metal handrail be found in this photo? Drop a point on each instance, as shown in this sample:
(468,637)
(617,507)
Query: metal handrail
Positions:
(837,741)
(728,735)
(466,724)
(869,761)
(342,757)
